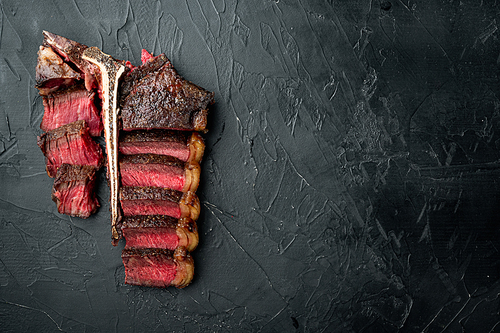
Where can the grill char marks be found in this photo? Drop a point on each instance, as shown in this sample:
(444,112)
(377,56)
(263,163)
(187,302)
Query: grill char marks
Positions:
(186,146)
(52,73)
(158,267)
(159,171)
(70,144)
(164,100)
(66,106)
(73,190)
(159,231)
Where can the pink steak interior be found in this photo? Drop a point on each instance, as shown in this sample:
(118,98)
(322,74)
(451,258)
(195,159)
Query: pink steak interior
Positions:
(151,238)
(150,207)
(153,271)
(156,175)
(175,149)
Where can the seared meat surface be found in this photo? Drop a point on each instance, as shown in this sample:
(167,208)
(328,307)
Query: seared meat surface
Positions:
(70,144)
(73,190)
(164,100)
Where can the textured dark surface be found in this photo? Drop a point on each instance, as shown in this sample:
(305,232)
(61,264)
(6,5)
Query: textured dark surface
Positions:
(350,181)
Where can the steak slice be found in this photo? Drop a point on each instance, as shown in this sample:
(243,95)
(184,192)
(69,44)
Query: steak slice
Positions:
(70,144)
(165,100)
(158,267)
(52,73)
(159,171)
(159,201)
(72,52)
(73,190)
(67,106)
(159,231)
(186,146)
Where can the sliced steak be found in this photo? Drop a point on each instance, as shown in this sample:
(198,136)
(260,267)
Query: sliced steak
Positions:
(159,171)
(67,106)
(73,190)
(158,267)
(159,201)
(70,144)
(72,52)
(186,146)
(165,100)
(159,231)
(52,73)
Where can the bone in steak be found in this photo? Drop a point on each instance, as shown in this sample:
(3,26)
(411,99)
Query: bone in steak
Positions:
(159,231)
(158,267)
(73,190)
(52,73)
(163,99)
(70,144)
(69,105)
(159,201)
(159,171)
(72,51)
(186,146)
(111,72)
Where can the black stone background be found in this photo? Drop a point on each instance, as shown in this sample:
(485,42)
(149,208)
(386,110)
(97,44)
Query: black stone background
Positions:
(350,181)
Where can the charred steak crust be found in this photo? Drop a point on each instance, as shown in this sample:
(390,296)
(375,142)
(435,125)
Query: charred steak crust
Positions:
(154,135)
(73,190)
(58,133)
(149,221)
(163,99)
(69,172)
(150,193)
(135,75)
(153,159)
(64,137)
(72,52)
(52,72)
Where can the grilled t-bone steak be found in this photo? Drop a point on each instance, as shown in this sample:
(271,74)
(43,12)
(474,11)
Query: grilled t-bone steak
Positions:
(66,106)
(159,171)
(111,71)
(158,267)
(159,201)
(52,73)
(159,231)
(70,144)
(163,99)
(186,146)
(73,190)
(161,112)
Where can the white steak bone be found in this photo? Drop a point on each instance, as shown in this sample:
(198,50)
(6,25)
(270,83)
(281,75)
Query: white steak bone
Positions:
(111,71)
